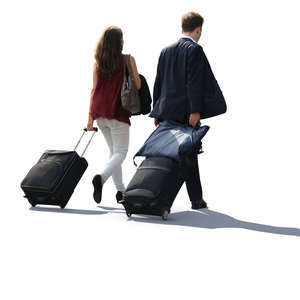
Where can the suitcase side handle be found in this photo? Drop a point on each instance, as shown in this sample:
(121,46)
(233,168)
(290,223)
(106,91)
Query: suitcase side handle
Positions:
(95,129)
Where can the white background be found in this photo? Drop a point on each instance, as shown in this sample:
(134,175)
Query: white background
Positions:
(246,246)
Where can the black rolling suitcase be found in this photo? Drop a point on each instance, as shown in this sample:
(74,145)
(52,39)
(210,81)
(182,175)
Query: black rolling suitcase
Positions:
(153,188)
(52,180)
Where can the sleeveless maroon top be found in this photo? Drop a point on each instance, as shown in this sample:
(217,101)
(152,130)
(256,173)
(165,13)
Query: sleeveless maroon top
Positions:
(106,101)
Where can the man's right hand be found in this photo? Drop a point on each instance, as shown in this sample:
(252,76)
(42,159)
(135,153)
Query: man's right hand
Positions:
(194,119)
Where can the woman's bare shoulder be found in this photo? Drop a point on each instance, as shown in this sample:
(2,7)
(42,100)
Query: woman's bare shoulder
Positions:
(132,59)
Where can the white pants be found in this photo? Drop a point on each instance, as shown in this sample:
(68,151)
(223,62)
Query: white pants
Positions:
(116,134)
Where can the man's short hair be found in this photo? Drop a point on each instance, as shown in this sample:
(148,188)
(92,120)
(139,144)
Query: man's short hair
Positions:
(190,21)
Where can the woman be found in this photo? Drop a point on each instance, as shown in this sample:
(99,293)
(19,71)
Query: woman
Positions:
(106,108)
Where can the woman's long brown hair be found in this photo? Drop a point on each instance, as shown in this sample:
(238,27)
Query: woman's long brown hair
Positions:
(108,53)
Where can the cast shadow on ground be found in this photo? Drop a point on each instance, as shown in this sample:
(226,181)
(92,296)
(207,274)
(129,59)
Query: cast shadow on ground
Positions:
(68,210)
(109,208)
(106,209)
(206,218)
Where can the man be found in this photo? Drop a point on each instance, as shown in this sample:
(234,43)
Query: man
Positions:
(179,90)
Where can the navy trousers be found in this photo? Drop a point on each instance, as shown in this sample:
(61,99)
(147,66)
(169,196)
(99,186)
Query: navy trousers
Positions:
(192,177)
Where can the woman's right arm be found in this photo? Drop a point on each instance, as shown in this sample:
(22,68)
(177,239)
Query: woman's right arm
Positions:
(95,80)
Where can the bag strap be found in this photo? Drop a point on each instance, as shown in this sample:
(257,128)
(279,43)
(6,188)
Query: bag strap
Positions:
(129,68)
(134,161)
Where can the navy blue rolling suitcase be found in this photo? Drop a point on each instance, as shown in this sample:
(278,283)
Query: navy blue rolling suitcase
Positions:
(154,187)
(52,180)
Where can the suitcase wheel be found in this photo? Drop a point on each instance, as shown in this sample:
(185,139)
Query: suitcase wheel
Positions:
(165,215)
(62,206)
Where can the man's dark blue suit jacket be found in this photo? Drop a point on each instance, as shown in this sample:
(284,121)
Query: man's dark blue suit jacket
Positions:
(185,84)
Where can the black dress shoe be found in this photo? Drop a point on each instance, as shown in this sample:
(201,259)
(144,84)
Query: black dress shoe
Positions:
(119,196)
(97,183)
(199,204)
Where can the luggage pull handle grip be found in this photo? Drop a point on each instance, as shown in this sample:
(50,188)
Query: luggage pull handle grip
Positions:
(95,129)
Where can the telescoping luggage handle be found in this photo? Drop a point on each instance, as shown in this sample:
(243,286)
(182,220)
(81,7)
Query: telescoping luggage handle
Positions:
(95,129)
